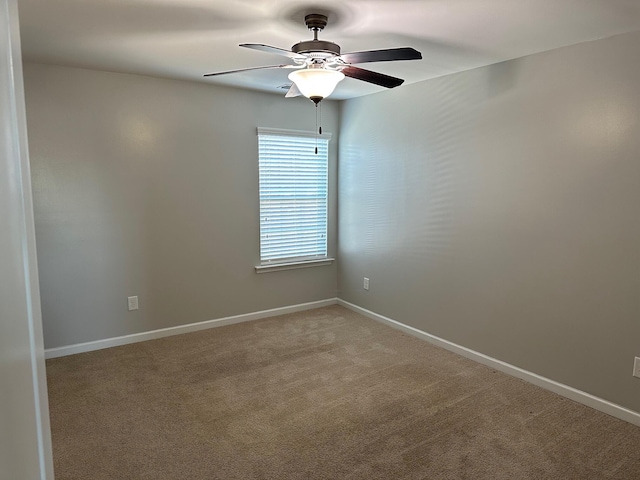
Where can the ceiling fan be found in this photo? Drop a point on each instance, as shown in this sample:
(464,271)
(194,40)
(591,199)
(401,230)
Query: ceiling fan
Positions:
(319,66)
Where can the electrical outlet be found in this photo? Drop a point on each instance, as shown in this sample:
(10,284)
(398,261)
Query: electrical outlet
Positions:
(365,283)
(132,302)
(636,367)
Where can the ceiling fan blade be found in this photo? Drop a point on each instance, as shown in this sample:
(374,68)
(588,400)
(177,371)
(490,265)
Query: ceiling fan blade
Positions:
(293,91)
(387,55)
(248,69)
(372,77)
(276,50)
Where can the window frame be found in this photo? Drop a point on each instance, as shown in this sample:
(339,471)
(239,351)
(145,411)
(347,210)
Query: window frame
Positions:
(288,263)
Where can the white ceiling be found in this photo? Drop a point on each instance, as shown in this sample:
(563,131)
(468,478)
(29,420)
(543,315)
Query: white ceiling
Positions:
(184,39)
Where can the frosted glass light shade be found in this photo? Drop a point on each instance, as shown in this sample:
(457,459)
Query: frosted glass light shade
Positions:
(316,82)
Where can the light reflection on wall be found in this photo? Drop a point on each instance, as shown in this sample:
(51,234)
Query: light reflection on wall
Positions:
(139,132)
(401,183)
(605,123)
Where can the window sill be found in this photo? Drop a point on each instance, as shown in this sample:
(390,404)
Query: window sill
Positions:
(276,267)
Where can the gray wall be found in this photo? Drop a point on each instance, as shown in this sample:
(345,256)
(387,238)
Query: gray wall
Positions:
(149,187)
(498,209)
(25,442)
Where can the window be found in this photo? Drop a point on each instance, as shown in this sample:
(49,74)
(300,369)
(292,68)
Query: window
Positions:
(293,196)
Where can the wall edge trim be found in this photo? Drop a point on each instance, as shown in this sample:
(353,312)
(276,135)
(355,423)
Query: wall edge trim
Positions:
(180,329)
(566,391)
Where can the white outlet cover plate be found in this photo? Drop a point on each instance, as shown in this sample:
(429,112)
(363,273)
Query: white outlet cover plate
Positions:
(636,367)
(132,303)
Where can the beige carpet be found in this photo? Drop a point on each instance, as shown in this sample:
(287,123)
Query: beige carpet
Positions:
(323,394)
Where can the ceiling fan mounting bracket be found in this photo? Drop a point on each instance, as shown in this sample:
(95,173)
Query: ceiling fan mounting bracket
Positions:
(315,21)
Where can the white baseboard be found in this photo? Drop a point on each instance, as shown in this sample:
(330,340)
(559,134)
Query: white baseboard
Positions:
(551,385)
(191,327)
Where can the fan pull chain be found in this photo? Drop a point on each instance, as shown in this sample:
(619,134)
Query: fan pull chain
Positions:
(317,128)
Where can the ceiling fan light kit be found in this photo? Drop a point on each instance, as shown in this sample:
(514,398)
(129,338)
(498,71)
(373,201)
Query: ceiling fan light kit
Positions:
(316,83)
(320,66)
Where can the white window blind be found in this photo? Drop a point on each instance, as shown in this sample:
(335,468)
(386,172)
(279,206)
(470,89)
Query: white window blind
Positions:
(293,195)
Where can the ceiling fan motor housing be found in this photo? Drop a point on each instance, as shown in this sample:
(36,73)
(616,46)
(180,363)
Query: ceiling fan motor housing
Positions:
(316,46)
